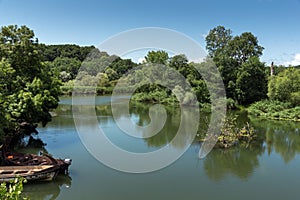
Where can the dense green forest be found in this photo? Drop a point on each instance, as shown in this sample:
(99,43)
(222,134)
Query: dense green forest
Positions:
(34,75)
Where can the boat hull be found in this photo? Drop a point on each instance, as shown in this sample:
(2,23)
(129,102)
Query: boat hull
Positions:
(21,159)
(30,173)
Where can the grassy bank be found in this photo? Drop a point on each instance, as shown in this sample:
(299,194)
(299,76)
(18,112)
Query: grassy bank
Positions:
(275,110)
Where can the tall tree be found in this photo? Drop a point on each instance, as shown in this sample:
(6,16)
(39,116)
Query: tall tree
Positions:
(217,40)
(235,58)
(28,87)
(252,72)
(243,47)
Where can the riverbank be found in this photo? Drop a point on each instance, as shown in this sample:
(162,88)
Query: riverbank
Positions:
(274,110)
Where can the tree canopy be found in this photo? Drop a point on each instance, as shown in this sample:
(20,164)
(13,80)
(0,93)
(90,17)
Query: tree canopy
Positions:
(29,89)
(51,52)
(285,86)
(217,40)
(237,58)
(158,57)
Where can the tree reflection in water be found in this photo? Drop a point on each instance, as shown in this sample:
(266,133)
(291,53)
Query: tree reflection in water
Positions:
(235,161)
(47,190)
(282,137)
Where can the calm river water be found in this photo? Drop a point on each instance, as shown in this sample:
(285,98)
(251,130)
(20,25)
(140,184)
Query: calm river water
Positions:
(269,169)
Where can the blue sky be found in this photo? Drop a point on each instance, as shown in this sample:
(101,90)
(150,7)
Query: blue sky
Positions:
(276,23)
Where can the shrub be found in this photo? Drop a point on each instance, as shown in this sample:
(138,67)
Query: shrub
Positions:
(285,86)
(295,98)
(13,190)
(275,110)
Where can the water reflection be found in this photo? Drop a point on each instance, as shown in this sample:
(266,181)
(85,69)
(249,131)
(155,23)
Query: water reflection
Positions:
(47,190)
(235,161)
(282,137)
(175,118)
(264,167)
(140,115)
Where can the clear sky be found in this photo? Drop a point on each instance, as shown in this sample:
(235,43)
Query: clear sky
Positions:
(276,23)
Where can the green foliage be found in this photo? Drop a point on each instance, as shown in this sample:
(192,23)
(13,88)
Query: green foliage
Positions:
(67,67)
(277,70)
(155,96)
(180,63)
(221,44)
(178,90)
(251,83)
(51,52)
(97,62)
(232,135)
(158,57)
(295,98)
(19,47)
(237,60)
(231,104)
(67,87)
(111,74)
(242,48)
(85,64)
(13,190)
(285,86)
(275,110)
(266,106)
(68,59)
(121,66)
(28,87)
(217,40)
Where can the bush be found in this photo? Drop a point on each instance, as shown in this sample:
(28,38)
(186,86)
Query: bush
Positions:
(13,190)
(295,98)
(285,86)
(275,110)
(231,104)
(232,135)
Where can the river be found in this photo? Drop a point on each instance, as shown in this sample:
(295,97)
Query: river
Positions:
(269,169)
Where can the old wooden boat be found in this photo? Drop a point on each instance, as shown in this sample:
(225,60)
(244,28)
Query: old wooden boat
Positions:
(24,159)
(30,173)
